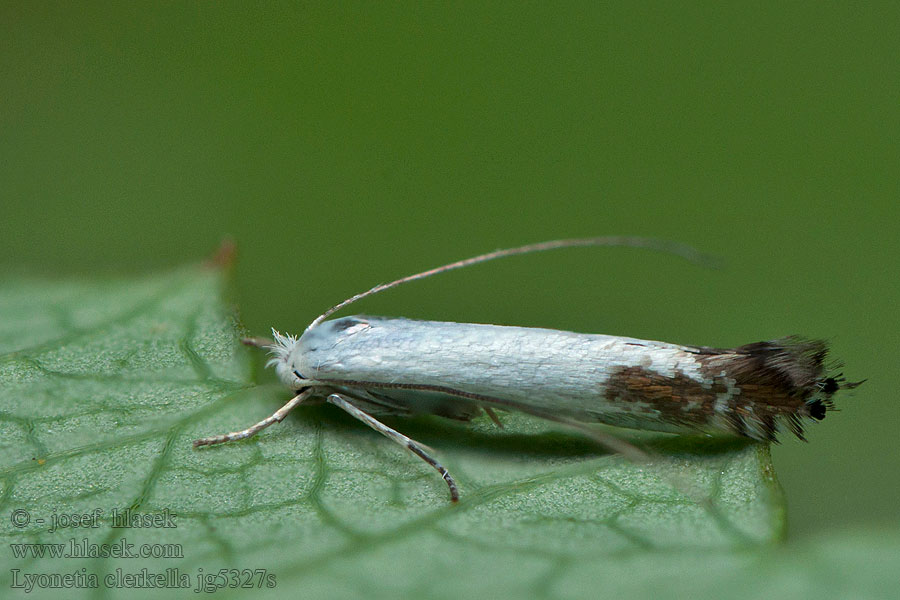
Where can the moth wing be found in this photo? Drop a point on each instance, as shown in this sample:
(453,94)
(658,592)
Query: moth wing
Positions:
(464,406)
(406,402)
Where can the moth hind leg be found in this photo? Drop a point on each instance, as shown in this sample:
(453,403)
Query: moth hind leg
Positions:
(493,416)
(413,446)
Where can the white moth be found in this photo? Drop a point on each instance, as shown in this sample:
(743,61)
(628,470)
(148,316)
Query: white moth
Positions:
(372,366)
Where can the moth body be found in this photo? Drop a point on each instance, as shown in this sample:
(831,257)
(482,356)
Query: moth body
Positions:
(370,366)
(402,366)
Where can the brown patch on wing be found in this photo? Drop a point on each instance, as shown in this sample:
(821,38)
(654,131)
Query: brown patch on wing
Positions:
(772,381)
(678,399)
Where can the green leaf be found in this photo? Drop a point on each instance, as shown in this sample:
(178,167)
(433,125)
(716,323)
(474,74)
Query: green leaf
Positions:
(104,385)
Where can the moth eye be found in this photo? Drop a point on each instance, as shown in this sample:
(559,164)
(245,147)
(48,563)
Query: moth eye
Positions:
(830,385)
(817,410)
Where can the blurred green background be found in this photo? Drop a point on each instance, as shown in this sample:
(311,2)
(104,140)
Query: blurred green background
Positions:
(341,146)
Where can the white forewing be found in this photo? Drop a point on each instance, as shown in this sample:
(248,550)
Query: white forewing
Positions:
(542,368)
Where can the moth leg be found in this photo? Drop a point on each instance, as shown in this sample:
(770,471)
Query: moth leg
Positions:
(411,445)
(277,417)
(493,416)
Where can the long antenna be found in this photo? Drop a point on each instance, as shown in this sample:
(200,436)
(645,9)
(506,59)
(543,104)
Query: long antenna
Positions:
(687,252)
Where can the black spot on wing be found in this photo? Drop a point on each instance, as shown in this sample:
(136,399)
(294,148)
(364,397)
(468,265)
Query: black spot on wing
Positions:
(345,323)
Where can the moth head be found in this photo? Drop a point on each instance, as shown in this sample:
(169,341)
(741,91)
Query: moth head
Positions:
(283,353)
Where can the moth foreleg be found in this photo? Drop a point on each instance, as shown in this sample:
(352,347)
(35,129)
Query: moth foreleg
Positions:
(275,417)
(410,444)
